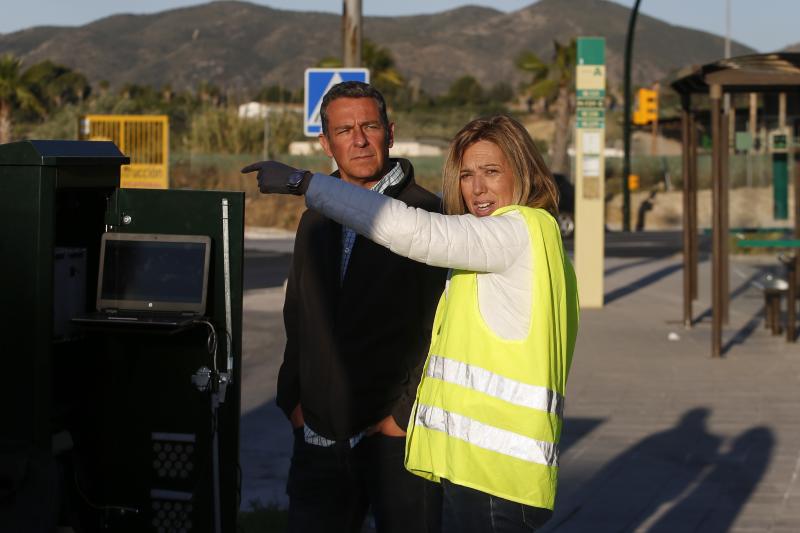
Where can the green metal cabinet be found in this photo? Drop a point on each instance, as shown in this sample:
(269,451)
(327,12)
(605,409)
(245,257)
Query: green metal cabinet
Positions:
(93,419)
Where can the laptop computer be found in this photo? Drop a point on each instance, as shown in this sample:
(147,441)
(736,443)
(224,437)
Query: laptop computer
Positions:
(151,279)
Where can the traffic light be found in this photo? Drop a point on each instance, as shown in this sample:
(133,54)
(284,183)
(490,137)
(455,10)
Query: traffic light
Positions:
(647,108)
(633,182)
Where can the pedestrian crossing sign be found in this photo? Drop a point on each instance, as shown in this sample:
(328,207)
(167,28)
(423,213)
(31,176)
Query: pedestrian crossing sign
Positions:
(318,82)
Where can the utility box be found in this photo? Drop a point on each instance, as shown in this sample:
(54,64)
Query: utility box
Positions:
(103,428)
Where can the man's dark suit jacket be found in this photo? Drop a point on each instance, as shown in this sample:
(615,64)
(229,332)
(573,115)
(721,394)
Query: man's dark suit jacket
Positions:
(354,352)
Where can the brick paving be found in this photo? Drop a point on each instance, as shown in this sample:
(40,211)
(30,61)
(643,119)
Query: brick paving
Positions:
(658,436)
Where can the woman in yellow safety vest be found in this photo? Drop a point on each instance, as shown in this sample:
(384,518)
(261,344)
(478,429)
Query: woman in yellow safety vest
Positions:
(489,409)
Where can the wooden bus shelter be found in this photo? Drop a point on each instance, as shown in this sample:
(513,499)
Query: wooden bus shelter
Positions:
(775,74)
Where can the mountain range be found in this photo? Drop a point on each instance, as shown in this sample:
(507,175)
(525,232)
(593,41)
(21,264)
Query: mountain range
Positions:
(242,46)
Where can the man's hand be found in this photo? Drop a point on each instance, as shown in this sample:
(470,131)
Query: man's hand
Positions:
(296,418)
(387,427)
(277,178)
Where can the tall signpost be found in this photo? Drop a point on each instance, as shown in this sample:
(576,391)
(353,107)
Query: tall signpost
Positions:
(589,167)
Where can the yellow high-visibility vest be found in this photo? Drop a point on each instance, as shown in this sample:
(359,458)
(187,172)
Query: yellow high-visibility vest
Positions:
(489,411)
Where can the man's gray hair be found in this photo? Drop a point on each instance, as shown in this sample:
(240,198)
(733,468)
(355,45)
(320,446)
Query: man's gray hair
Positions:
(353,89)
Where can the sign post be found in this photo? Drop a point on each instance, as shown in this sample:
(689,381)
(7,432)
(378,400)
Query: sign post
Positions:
(317,82)
(590,170)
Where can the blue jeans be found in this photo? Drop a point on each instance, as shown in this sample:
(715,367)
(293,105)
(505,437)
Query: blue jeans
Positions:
(467,510)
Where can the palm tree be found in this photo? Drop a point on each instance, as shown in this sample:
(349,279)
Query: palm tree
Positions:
(465,91)
(378,59)
(380,62)
(14,93)
(554,82)
(55,85)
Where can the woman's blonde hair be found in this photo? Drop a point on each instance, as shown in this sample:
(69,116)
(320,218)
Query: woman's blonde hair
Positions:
(534,185)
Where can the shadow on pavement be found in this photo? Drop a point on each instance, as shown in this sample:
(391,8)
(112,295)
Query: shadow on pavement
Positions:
(744,332)
(641,283)
(680,469)
(265,450)
(715,503)
(575,429)
(625,266)
(735,293)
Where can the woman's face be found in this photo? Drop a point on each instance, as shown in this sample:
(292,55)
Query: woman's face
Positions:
(486,180)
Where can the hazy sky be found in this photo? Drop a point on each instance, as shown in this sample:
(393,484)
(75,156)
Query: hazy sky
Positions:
(765,25)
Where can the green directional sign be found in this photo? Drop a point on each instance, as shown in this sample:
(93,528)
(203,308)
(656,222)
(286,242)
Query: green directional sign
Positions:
(590,93)
(591,102)
(590,86)
(592,51)
(584,112)
(591,124)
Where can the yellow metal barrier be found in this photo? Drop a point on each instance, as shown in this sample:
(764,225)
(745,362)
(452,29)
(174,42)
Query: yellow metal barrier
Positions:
(143,138)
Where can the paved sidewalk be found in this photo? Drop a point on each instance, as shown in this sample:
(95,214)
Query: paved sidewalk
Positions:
(658,436)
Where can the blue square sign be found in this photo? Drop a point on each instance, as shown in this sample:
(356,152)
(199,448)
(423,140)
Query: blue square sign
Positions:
(318,81)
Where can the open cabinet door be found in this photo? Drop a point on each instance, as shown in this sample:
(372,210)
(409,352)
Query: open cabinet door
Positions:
(157,419)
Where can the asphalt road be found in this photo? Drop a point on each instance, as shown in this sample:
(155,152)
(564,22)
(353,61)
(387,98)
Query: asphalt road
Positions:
(267,264)
(265,268)
(645,244)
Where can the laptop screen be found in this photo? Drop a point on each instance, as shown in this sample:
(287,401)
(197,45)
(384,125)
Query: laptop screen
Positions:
(153,272)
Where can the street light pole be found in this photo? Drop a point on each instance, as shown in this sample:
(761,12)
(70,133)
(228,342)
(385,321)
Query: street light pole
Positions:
(626,127)
(728,29)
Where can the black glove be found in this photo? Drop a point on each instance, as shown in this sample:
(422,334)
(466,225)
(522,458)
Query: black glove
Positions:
(277,178)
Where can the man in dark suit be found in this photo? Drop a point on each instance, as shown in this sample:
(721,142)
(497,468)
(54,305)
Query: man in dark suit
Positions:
(358,320)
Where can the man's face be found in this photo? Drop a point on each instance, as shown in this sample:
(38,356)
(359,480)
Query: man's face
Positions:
(357,140)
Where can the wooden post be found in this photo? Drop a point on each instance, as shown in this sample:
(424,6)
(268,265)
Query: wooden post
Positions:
(791,307)
(351,33)
(792,314)
(693,201)
(724,219)
(715,93)
(751,129)
(730,125)
(687,216)
(752,123)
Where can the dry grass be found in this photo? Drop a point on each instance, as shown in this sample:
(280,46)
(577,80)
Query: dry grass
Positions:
(222,173)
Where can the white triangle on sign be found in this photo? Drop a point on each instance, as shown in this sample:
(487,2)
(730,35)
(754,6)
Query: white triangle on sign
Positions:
(315,115)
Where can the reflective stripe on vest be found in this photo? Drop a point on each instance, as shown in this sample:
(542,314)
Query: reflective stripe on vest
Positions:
(497,386)
(487,437)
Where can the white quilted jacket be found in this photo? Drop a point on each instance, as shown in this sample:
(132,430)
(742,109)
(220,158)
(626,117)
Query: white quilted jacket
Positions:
(498,248)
